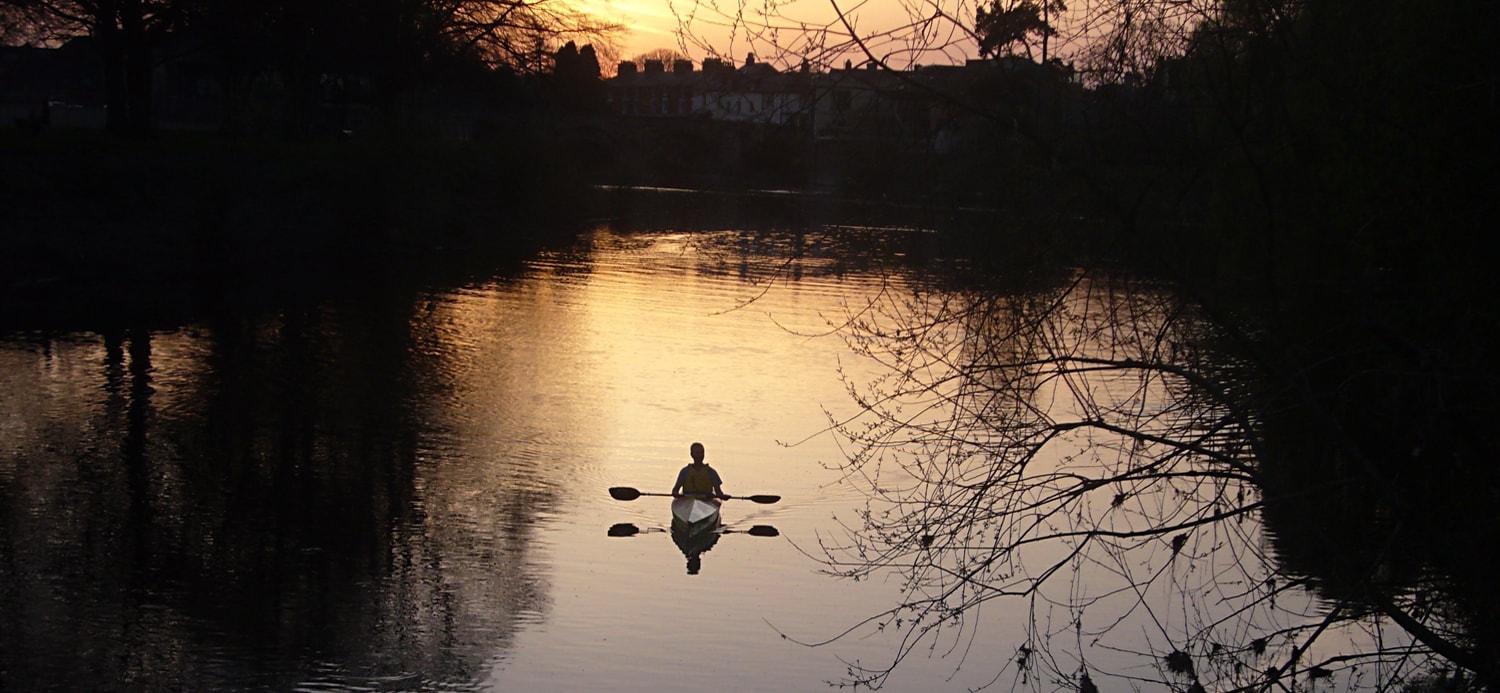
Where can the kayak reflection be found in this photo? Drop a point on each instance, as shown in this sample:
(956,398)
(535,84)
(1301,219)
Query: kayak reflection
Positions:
(694,545)
(694,540)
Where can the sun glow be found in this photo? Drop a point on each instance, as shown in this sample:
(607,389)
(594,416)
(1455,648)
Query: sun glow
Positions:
(899,34)
(783,33)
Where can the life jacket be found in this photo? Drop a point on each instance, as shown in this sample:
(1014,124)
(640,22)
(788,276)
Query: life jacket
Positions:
(698,478)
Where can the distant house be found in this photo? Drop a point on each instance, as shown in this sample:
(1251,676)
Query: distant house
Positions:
(860,103)
(753,93)
(849,104)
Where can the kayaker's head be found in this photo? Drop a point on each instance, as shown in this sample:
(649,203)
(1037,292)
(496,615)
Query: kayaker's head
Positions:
(697,452)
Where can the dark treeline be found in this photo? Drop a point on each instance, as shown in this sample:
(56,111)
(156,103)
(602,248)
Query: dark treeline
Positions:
(1313,179)
(321,138)
(1327,193)
(100,231)
(287,64)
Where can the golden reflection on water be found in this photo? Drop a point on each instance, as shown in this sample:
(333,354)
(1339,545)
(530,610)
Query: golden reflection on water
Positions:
(408,490)
(597,367)
(680,340)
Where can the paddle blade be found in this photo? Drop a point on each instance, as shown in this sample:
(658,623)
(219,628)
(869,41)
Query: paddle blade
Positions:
(624,493)
(762,499)
(624,529)
(763,531)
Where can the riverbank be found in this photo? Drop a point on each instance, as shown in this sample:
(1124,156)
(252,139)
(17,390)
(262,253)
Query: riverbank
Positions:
(188,216)
(97,229)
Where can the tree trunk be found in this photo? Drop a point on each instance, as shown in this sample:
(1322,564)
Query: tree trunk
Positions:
(126,50)
(139,61)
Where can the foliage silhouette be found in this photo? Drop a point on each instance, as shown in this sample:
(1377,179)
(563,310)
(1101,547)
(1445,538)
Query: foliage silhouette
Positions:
(1284,434)
(287,60)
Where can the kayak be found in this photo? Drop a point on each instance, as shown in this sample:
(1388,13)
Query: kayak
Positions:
(695,514)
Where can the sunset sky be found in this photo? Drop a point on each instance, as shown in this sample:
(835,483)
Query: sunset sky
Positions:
(651,24)
(901,33)
(781,32)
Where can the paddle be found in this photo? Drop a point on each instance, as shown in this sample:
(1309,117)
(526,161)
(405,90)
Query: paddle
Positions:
(626,493)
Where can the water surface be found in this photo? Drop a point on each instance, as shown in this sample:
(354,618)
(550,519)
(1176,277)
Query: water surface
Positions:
(401,488)
(402,485)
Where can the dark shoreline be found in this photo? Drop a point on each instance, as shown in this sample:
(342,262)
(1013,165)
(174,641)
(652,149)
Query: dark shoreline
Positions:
(94,229)
(99,230)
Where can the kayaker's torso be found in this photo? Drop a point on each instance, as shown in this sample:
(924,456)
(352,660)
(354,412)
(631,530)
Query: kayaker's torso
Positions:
(698,478)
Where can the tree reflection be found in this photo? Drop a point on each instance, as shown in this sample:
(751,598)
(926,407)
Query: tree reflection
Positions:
(1096,453)
(237,505)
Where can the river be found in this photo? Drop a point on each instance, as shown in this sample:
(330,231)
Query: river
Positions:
(394,486)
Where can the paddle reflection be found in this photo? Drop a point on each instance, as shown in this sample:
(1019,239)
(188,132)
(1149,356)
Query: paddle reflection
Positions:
(627,529)
(623,529)
(693,545)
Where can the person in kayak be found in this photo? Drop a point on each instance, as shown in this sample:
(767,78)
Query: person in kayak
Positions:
(698,479)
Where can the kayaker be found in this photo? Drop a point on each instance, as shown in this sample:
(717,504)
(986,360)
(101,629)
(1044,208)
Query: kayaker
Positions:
(698,479)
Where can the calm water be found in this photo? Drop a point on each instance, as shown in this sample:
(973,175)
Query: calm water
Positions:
(404,488)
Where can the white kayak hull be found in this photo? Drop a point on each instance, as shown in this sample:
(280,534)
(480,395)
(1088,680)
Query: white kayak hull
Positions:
(695,514)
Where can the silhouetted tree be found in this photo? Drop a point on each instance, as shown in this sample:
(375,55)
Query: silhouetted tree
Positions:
(575,77)
(1001,28)
(127,35)
(1308,393)
(667,56)
(390,50)
(1108,459)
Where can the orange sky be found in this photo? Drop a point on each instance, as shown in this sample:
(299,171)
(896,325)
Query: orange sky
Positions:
(734,28)
(650,23)
(782,31)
